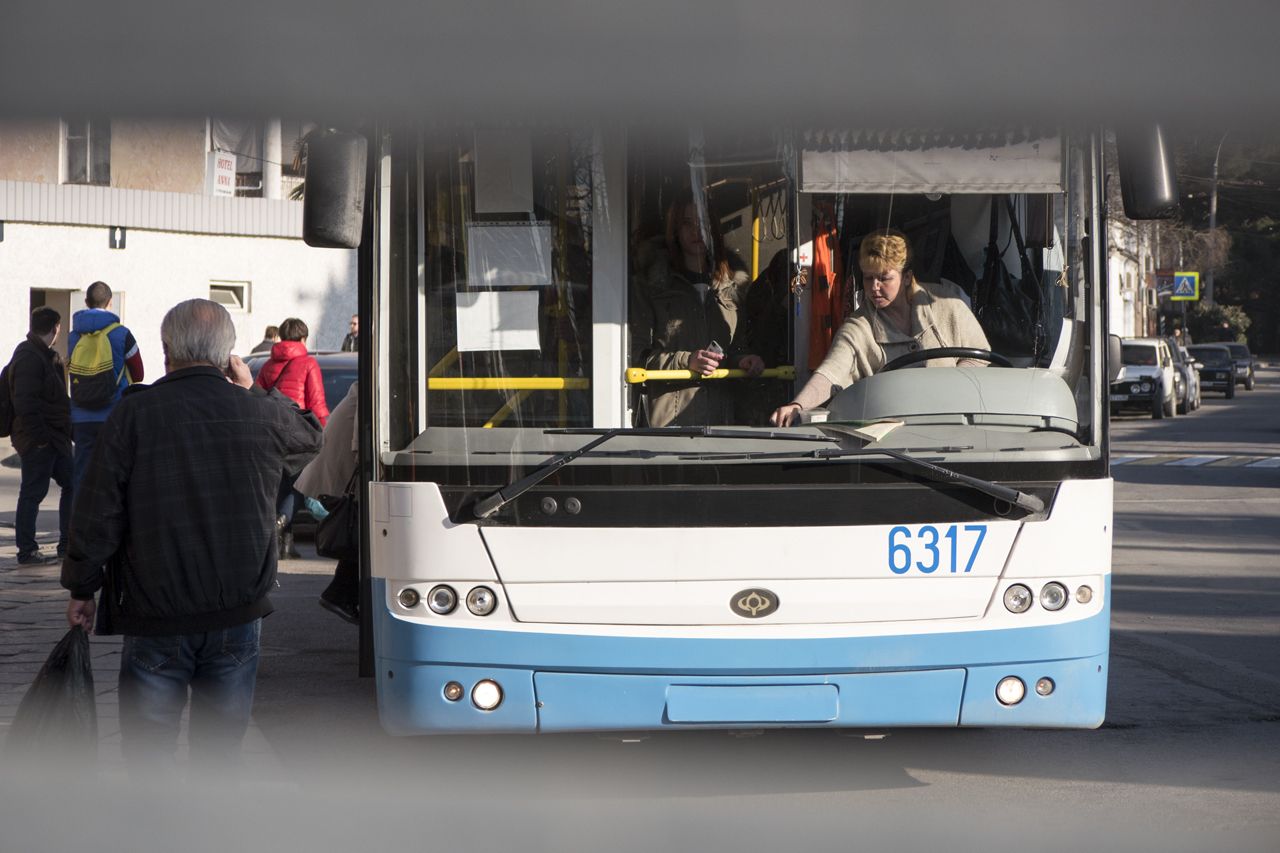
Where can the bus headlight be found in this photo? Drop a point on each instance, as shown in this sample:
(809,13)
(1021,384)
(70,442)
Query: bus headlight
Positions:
(1084,595)
(1053,596)
(453,691)
(409,598)
(487,695)
(481,601)
(1017,598)
(1010,690)
(1044,686)
(442,599)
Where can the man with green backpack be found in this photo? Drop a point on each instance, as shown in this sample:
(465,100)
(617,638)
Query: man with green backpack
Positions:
(104,361)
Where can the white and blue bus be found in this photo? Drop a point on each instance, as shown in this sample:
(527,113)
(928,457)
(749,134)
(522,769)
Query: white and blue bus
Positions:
(547,552)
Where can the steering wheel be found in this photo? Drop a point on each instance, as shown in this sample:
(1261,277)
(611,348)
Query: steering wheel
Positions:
(946,352)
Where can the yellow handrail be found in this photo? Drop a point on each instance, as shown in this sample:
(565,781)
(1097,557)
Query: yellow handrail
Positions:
(445,363)
(505,383)
(640,374)
(507,408)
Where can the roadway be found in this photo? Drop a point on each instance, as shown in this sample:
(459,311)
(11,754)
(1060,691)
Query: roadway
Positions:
(1189,758)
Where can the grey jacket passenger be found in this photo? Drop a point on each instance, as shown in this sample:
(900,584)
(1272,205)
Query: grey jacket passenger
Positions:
(331,470)
(669,321)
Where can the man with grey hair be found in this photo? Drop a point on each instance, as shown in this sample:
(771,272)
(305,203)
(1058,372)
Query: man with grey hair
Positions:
(175,524)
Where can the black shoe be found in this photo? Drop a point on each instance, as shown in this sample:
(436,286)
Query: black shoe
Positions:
(345,612)
(287,551)
(35,558)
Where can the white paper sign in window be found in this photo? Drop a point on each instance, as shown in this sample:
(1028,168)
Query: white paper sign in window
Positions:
(498,320)
(508,254)
(504,171)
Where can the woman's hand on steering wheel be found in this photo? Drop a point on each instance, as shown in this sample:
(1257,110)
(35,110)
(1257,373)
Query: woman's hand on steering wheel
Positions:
(786,415)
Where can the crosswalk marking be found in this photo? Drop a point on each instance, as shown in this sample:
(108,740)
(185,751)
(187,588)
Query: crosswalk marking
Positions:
(1272,462)
(1121,460)
(1194,461)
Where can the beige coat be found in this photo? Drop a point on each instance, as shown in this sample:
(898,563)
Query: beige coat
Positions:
(669,321)
(331,470)
(869,340)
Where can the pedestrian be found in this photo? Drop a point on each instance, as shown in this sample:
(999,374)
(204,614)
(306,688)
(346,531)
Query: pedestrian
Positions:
(329,474)
(270,338)
(177,506)
(351,343)
(41,432)
(297,375)
(93,330)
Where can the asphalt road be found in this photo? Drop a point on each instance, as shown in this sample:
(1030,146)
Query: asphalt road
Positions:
(1189,758)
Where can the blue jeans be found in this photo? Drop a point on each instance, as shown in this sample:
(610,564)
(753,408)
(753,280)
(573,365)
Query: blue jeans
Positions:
(219,666)
(39,466)
(85,435)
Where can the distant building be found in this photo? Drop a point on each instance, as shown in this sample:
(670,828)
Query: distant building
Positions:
(163,210)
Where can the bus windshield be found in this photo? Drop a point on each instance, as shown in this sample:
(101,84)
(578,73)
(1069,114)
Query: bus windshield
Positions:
(537,280)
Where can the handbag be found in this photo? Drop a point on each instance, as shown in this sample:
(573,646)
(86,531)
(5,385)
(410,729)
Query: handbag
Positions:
(338,533)
(1009,309)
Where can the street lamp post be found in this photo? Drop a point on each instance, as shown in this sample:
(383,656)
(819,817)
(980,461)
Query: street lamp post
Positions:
(1213,224)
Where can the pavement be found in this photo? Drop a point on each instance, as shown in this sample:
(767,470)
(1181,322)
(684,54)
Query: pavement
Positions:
(1188,759)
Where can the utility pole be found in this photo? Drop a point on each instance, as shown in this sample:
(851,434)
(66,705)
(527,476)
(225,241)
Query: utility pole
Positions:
(1213,224)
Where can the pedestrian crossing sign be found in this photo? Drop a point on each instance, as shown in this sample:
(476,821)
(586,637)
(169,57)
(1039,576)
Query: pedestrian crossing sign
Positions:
(1186,285)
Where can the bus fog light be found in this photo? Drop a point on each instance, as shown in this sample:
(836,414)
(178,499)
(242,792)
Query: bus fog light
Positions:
(1044,686)
(409,598)
(1010,690)
(1017,598)
(1084,595)
(481,601)
(1053,596)
(442,599)
(487,695)
(453,691)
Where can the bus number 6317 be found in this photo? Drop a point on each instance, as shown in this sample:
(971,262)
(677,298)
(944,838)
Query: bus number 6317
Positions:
(925,549)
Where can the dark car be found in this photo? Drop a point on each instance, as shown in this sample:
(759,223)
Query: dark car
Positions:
(338,369)
(1217,368)
(1244,364)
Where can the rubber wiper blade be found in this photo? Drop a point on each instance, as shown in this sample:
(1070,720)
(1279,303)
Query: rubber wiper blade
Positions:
(1031,503)
(486,507)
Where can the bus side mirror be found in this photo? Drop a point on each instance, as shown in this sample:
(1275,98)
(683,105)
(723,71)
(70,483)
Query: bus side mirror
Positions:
(333,201)
(1148,178)
(1115,358)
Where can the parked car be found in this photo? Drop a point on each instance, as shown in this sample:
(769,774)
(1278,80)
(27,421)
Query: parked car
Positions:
(1193,373)
(1186,379)
(1147,380)
(1244,364)
(1217,368)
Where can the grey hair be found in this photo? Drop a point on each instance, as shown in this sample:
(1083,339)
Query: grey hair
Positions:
(198,331)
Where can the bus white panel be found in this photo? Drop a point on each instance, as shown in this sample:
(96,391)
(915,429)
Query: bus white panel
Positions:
(412,537)
(1074,539)
(563,555)
(708,602)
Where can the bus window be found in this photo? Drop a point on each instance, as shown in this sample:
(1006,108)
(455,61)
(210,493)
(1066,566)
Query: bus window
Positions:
(710,278)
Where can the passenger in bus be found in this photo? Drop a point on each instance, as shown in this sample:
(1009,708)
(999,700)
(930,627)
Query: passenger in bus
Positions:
(687,300)
(898,315)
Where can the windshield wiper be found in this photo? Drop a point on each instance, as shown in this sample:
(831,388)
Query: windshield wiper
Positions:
(1031,503)
(486,507)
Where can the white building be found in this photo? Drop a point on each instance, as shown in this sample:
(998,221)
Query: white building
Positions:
(136,204)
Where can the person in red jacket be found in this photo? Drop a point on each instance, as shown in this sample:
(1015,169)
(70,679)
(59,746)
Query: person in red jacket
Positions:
(297,376)
(293,372)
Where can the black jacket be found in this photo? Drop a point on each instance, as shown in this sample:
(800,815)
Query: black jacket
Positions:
(180,497)
(41,407)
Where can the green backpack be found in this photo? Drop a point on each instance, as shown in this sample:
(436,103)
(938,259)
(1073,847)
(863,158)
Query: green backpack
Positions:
(93,376)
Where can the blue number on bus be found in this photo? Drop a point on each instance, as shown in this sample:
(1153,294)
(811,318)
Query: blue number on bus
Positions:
(931,547)
(901,555)
(898,548)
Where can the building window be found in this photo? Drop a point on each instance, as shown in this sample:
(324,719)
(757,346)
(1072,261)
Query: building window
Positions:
(87,151)
(232,295)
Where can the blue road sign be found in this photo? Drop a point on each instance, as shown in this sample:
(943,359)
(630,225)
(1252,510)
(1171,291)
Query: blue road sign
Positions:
(1186,285)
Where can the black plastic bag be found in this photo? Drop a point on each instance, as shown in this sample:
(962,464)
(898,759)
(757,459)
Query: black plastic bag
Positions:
(338,533)
(1009,309)
(59,714)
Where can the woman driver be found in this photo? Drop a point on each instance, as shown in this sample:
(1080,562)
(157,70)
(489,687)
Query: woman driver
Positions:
(899,315)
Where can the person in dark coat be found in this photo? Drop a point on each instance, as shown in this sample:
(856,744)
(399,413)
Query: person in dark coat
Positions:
(41,432)
(270,338)
(175,525)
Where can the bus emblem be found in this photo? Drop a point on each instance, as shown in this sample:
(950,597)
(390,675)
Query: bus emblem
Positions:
(753,603)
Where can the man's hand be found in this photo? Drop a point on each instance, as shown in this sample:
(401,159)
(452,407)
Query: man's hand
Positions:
(238,373)
(753,364)
(81,612)
(786,415)
(704,361)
